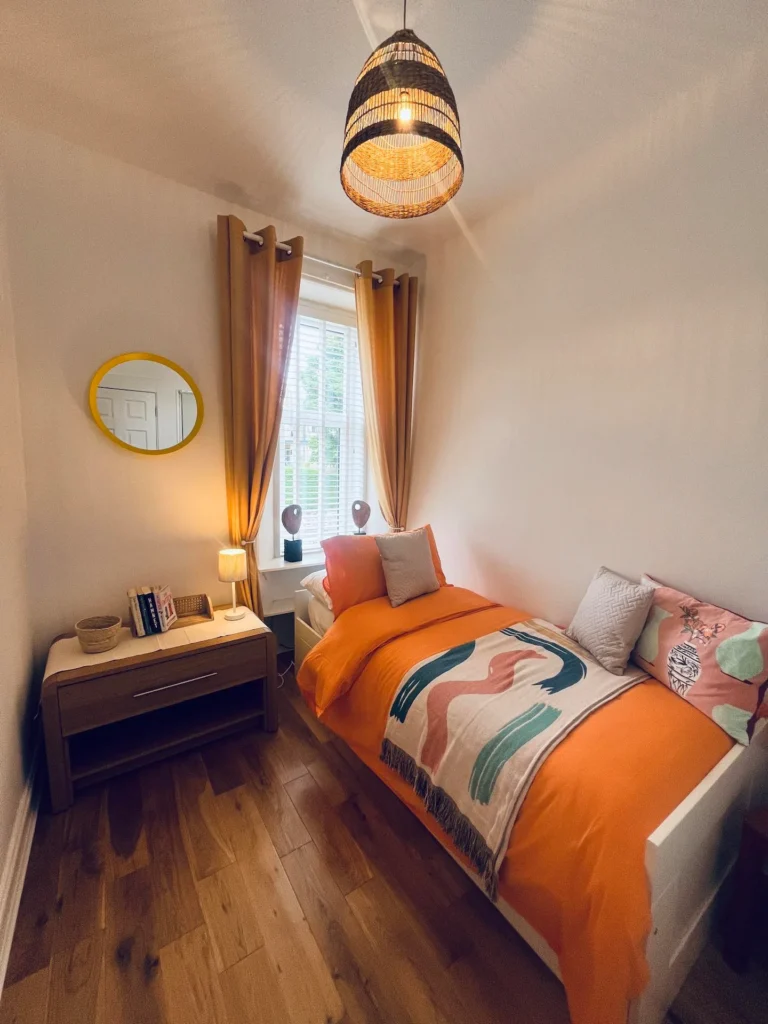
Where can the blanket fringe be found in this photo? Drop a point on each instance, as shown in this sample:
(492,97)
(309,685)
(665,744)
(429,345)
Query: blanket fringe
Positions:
(444,810)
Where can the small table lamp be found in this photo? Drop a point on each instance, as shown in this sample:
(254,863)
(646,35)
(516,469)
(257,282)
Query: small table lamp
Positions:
(233,567)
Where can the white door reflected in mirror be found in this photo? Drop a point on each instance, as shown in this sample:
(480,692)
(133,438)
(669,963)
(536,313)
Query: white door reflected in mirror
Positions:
(146,403)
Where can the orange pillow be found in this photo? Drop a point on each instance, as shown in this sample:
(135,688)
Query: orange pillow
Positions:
(435,557)
(354,572)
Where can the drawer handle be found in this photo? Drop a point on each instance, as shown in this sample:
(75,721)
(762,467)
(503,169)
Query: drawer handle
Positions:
(170,686)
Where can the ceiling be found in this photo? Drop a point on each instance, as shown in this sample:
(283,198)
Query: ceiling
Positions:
(246,99)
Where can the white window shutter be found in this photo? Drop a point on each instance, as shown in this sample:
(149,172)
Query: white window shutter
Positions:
(321,458)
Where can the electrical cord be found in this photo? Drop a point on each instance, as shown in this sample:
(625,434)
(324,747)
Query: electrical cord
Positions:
(282,675)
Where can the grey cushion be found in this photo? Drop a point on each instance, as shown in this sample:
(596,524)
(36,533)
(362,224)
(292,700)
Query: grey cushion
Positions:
(408,566)
(610,618)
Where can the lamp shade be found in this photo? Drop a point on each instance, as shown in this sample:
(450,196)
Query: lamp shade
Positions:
(402,147)
(233,565)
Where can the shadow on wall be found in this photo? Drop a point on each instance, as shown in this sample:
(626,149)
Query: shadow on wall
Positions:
(499,578)
(634,153)
(618,336)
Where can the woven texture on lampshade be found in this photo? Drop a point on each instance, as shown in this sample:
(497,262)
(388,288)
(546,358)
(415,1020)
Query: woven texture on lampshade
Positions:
(233,565)
(397,168)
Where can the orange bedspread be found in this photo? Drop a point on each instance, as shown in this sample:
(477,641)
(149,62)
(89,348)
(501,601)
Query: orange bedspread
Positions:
(575,867)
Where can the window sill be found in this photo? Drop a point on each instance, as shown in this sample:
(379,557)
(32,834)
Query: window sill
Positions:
(311,560)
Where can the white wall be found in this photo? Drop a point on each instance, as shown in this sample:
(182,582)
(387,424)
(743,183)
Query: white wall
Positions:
(106,258)
(593,386)
(15,632)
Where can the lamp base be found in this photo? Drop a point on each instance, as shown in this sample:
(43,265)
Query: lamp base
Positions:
(234,612)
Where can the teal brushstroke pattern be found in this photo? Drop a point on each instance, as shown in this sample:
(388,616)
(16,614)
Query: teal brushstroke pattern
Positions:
(648,644)
(426,674)
(573,670)
(734,721)
(504,745)
(740,656)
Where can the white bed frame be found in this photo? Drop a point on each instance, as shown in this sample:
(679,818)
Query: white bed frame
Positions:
(687,858)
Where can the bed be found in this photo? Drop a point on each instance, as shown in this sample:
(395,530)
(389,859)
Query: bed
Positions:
(686,853)
(306,631)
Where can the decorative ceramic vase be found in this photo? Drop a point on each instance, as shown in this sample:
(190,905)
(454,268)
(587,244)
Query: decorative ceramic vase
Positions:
(684,667)
(291,520)
(361,513)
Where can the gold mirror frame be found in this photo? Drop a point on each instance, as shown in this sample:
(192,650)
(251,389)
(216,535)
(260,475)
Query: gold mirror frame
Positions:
(127,357)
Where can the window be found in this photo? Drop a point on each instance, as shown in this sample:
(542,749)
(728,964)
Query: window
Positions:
(320,462)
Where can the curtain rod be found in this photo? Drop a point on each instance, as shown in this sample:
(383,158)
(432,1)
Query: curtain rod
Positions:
(324,280)
(252,237)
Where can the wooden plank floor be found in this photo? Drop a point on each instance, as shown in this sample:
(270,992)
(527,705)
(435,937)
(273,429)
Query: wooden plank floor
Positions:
(270,879)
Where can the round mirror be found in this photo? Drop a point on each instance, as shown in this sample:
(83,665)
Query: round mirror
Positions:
(146,403)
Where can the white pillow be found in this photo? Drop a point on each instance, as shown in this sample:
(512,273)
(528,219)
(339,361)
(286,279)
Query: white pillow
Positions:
(314,584)
(610,618)
(321,617)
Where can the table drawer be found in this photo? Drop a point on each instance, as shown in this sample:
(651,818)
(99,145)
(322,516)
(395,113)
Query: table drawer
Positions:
(122,694)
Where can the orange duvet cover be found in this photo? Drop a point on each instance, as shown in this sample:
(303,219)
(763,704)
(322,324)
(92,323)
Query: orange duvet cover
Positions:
(575,864)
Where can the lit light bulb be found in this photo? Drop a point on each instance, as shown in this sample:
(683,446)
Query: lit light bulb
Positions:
(405,114)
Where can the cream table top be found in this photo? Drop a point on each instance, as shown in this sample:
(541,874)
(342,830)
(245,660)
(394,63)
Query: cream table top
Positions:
(67,654)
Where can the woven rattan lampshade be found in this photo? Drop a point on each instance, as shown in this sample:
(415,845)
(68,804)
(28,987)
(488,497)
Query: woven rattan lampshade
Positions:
(402,147)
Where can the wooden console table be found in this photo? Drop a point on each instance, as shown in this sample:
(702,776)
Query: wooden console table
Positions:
(153,696)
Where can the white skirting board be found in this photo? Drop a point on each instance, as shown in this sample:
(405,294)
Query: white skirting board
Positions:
(15,866)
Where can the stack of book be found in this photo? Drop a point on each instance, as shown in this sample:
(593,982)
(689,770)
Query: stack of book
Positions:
(152,610)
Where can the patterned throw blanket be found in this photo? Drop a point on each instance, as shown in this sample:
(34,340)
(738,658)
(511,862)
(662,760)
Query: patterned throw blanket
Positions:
(469,728)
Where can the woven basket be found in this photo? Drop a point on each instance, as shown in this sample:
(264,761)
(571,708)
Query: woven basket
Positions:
(98,633)
(192,609)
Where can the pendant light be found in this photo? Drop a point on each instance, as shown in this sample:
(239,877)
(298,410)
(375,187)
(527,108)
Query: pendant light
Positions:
(402,147)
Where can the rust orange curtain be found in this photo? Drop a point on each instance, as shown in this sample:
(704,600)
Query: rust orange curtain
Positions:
(259,297)
(386,328)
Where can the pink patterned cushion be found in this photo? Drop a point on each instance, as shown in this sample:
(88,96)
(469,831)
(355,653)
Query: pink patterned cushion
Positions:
(715,659)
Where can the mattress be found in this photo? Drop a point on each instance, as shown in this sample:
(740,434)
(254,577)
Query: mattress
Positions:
(320,616)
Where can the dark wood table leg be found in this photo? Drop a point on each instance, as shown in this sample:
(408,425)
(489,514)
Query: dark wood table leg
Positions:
(56,753)
(270,686)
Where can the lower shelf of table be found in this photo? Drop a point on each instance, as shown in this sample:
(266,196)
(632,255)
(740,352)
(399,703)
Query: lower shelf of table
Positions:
(110,749)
